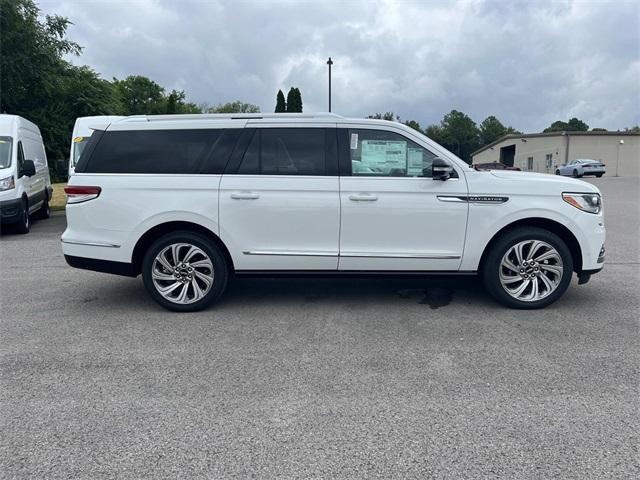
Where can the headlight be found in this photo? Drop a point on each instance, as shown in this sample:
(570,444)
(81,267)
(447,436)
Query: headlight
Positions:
(587,202)
(7,183)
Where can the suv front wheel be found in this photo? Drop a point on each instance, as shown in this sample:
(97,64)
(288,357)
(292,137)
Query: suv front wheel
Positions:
(184,271)
(528,268)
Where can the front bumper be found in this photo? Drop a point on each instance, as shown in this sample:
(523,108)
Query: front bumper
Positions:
(11,210)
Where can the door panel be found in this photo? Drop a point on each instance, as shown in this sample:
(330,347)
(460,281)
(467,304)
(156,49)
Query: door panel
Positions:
(393,215)
(407,227)
(280,222)
(278,209)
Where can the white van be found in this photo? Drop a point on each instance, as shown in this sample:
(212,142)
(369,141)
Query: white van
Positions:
(82,130)
(25,185)
(189,200)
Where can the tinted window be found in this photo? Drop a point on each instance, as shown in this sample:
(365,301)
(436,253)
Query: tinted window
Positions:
(285,151)
(379,153)
(161,151)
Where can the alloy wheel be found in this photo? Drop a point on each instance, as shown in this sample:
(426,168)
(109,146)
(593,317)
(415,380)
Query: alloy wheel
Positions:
(531,270)
(182,273)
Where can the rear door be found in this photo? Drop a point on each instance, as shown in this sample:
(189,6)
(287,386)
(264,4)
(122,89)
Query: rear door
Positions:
(279,200)
(394,216)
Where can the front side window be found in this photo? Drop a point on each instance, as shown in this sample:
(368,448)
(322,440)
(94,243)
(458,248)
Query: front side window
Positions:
(6,144)
(285,151)
(379,153)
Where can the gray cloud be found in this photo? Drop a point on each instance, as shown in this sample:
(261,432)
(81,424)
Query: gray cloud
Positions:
(528,63)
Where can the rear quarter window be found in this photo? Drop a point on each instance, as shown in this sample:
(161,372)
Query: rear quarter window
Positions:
(161,151)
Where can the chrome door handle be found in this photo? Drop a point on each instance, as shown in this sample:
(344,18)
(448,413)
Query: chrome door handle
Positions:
(363,197)
(245,196)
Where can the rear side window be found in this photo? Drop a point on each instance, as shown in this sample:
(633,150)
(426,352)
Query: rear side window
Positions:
(161,151)
(286,151)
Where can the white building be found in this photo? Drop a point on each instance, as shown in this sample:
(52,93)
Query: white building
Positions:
(542,152)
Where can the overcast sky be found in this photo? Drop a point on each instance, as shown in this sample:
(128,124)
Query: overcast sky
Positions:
(528,63)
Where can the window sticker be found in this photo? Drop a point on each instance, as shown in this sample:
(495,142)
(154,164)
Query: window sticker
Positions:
(415,162)
(354,141)
(78,139)
(384,155)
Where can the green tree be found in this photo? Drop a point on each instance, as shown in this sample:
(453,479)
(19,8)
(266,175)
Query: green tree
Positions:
(298,100)
(140,95)
(492,129)
(294,101)
(81,92)
(32,56)
(460,134)
(384,116)
(281,105)
(413,124)
(435,133)
(233,107)
(573,125)
(291,102)
(599,130)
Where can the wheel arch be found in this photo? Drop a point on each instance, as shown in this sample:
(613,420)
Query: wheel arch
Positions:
(151,235)
(551,225)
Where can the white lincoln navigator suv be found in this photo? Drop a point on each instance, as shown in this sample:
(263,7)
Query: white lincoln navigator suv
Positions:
(190,200)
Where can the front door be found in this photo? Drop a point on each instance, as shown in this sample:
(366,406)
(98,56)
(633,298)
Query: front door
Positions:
(28,183)
(394,216)
(280,206)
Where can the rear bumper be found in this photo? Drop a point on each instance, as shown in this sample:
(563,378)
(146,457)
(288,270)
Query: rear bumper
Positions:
(11,210)
(593,171)
(104,266)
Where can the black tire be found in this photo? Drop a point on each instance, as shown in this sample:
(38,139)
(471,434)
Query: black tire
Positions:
(45,211)
(575,173)
(557,172)
(599,175)
(24,223)
(492,265)
(220,270)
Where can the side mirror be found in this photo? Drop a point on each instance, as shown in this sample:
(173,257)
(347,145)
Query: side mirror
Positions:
(62,169)
(28,168)
(440,169)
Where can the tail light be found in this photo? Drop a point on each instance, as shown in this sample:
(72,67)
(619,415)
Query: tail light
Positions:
(81,194)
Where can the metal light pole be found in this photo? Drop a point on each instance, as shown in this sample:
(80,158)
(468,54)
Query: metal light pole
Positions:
(620,143)
(329,62)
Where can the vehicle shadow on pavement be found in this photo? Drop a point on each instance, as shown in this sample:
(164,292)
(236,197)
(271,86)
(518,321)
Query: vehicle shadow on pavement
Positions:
(433,292)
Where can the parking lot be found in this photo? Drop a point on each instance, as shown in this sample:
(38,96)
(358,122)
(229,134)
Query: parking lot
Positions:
(319,378)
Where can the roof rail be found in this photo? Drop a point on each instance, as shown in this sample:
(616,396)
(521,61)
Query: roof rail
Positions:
(226,116)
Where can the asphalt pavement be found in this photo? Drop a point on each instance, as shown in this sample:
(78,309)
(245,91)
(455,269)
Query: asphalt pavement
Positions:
(318,378)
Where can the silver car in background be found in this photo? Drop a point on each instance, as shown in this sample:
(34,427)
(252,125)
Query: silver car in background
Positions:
(581,167)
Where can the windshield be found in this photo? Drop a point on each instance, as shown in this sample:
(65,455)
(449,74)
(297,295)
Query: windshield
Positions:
(78,147)
(5,151)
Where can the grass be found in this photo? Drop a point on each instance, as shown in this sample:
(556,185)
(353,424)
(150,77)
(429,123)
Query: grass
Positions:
(59,199)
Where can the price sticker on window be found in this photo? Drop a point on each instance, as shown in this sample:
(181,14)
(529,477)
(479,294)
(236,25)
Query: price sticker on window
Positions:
(354,141)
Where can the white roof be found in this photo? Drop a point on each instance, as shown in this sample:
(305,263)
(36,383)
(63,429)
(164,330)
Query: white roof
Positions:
(11,122)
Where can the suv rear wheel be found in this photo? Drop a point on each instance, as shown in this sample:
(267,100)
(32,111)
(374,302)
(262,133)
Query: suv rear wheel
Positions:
(184,271)
(528,268)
